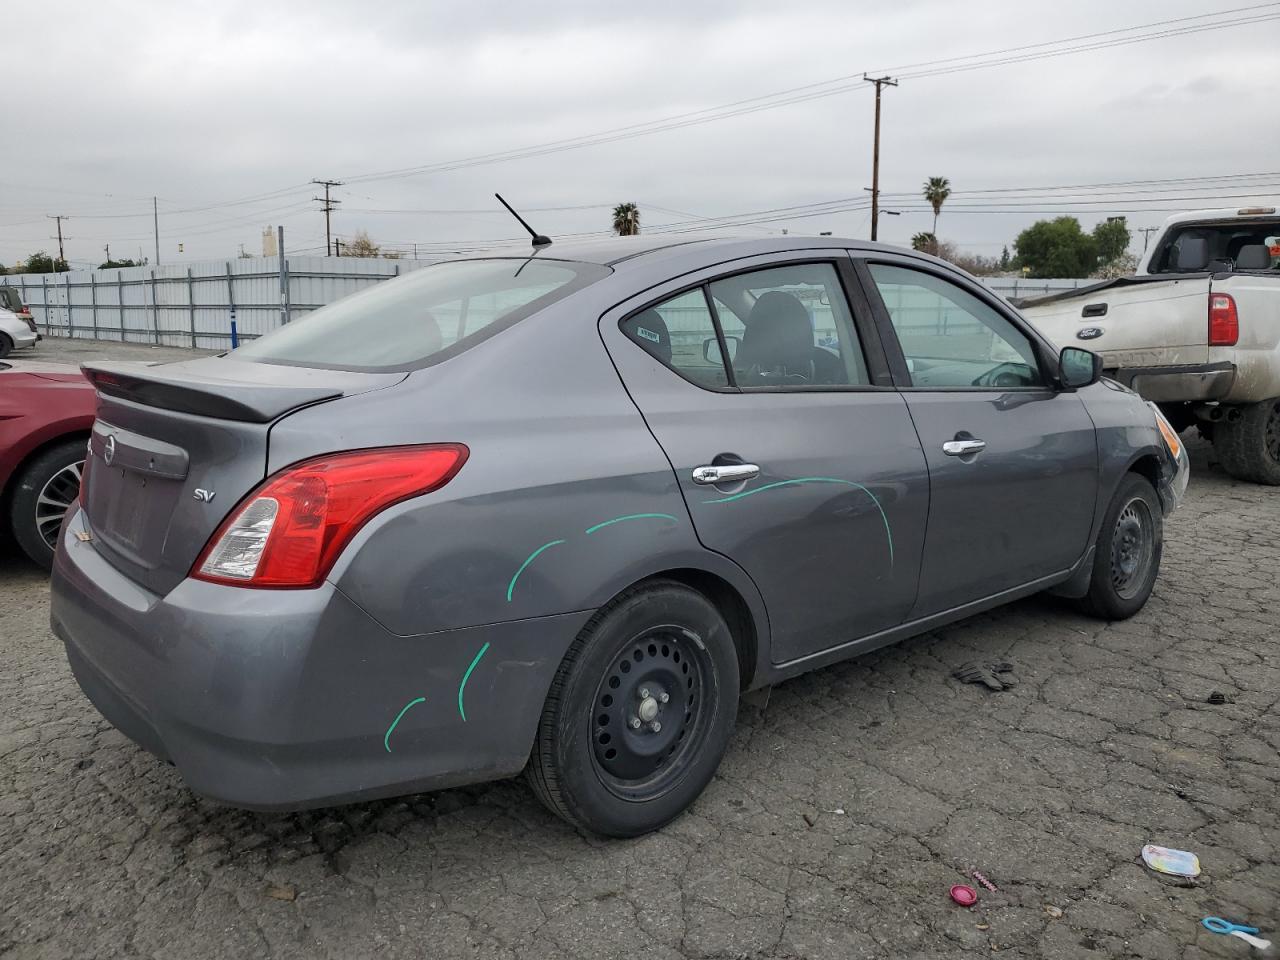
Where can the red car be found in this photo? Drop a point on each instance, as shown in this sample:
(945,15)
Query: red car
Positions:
(46,412)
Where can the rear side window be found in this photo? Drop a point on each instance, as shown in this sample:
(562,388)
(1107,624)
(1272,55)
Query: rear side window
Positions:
(681,334)
(1237,245)
(423,317)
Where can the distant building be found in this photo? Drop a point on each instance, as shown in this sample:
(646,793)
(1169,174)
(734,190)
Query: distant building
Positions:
(269,241)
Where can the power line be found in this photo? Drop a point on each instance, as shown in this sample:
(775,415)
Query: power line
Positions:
(829,88)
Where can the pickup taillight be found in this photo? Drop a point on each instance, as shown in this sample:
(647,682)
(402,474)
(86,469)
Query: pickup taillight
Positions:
(1224,321)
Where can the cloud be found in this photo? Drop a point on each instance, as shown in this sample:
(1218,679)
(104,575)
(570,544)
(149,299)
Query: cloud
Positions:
(202,105)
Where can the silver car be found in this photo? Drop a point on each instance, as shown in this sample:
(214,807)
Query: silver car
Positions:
(17,328)
(556,512)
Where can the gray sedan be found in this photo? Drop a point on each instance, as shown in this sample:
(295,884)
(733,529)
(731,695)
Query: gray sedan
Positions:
(556,512)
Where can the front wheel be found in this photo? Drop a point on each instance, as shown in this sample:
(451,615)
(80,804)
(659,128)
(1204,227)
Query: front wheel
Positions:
(6,345)
(1249,447)
(639,714)
(46,489)
(1126,558)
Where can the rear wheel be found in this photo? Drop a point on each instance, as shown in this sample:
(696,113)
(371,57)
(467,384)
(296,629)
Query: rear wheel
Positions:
(6,345)
(46,489)
(639,714)
(1126,558)
(1249,448)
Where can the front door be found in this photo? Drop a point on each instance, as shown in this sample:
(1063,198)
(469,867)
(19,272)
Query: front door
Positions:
(797,457)
(1013,461)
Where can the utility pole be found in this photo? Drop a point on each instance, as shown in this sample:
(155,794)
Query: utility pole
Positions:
(60,218)
(155,219)
(329,204)
(1146,236)
(875,153)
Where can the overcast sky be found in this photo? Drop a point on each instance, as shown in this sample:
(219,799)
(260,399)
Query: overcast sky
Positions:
(206,105)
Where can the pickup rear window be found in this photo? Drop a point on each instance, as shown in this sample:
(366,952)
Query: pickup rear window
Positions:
(423,317)
(1226,241)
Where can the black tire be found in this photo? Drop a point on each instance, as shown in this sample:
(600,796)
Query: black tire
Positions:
(589,765)
(48,475)
(1249,448)
(1127,554)
(6,345)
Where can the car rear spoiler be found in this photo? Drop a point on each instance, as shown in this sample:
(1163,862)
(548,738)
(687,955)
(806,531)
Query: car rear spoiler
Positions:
(229,389)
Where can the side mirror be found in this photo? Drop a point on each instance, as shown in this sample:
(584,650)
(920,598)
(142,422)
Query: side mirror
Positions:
(711,348)
(1078,368)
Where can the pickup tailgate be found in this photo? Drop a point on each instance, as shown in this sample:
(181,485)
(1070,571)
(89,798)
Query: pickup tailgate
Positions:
(165,431)
(1256,352)
(1132,322)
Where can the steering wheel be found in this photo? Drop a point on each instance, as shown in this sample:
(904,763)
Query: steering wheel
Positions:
(1004,375)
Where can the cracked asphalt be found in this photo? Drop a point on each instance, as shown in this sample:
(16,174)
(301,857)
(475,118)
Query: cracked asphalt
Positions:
(843,812)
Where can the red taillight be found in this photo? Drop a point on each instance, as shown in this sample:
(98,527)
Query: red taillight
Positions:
(289,531)
(1224,322)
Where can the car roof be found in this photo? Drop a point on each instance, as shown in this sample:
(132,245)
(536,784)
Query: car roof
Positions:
(614,251)
(1248,211)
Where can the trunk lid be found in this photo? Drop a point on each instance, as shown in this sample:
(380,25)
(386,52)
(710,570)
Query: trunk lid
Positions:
(166,431)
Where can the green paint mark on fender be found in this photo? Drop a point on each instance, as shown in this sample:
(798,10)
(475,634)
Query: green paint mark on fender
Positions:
(787,483)
(533,556)
(633,516)
(386,737)
(467,676)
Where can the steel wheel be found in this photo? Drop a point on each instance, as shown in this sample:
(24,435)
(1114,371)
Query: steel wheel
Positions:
(1132,548)
(55,499)
(648,717)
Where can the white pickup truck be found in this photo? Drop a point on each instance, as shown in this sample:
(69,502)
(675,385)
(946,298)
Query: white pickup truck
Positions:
(1196,329)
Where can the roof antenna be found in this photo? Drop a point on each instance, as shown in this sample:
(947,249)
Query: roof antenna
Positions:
(538,239)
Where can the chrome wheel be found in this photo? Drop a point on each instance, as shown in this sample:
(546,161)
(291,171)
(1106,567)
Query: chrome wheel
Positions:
(55,499)
(1132,548)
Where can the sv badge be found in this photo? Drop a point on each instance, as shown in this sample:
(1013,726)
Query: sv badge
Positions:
(204,496)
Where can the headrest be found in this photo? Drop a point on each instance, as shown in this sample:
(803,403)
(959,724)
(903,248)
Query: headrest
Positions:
(648,329)
(1256,256)
(1193,253)
(778,334)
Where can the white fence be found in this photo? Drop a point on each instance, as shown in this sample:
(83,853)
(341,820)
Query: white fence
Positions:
(193,305)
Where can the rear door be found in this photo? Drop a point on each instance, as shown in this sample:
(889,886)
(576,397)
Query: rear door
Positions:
(822,493)
(1013,462)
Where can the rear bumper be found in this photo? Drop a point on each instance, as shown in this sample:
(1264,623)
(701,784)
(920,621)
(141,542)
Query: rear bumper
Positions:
(1175,384)
(280,700)
(22,337)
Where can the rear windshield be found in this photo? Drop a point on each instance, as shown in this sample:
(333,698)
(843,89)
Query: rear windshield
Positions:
(423,317)
(1226,241)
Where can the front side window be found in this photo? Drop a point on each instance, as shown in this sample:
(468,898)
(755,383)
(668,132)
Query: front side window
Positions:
(949,337)
(789,326)
(432,313)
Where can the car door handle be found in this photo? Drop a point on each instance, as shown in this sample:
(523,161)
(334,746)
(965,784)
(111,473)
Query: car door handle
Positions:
(959,448)
(728,473)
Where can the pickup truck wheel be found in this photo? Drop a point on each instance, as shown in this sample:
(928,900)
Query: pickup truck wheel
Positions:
(639,713)
(1127,553)
(6,345)
(1249,448)
(46,489)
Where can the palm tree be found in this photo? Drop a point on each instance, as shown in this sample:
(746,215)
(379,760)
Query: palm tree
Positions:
(626,220)
(936,191)
(924,242)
